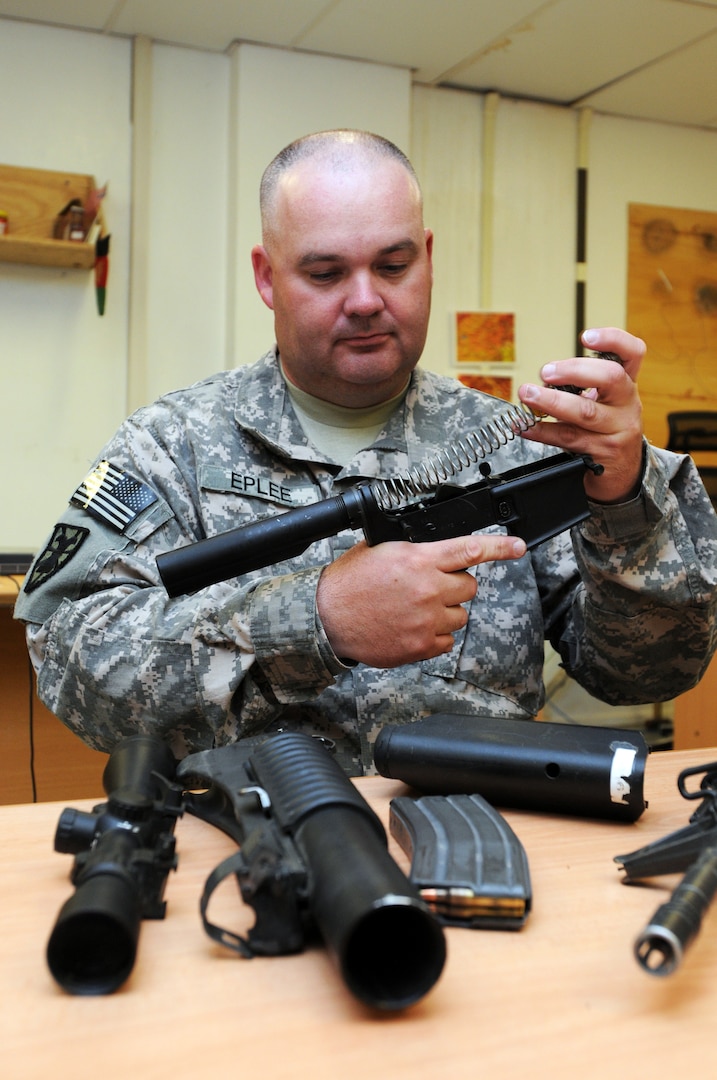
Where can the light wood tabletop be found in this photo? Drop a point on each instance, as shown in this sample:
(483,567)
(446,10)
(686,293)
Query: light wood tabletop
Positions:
(562,997)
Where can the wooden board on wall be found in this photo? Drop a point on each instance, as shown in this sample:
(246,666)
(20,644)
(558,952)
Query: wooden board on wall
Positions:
(672,304)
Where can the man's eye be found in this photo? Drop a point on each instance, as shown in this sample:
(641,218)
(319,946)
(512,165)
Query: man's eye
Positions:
(394,269)
(323,275)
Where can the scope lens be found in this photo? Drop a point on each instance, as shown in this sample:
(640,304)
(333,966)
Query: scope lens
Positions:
(91,954)
(93,944)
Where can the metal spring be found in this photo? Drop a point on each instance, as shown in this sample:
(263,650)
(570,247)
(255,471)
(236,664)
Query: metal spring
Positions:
(395,492)
(423,478)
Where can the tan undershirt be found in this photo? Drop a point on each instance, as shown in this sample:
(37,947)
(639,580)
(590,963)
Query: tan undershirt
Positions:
(335,430)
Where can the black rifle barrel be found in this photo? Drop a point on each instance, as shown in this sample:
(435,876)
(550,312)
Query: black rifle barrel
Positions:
(260,543)
(674,926)
(535,501)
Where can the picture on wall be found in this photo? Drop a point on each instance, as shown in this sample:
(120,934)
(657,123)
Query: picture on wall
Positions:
(485,337)
(496,385)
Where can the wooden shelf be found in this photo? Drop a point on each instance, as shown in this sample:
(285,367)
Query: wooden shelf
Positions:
(63,253)
(32,199)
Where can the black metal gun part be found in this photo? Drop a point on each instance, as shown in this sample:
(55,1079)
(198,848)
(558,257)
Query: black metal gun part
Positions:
(660,947)
(536,501)
(314,855)
(124,850)
(560,768)
(466,861)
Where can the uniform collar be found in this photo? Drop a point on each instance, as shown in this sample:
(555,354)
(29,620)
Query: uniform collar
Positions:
(263,408)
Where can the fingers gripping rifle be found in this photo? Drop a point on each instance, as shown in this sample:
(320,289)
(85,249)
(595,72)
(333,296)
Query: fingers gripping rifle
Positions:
(693,850)
(313,855)
(535,502)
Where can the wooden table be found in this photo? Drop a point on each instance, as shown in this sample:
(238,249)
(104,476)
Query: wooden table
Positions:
(563,997)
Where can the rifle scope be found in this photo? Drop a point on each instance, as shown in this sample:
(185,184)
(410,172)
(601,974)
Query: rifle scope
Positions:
(123,851)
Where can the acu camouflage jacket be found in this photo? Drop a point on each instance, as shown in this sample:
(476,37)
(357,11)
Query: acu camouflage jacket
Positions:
(627,598)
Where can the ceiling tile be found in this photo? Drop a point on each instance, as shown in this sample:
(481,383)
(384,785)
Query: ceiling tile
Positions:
(425,35)
(216,24)
(572,47)
(681,89)
(79,14)
(642,58)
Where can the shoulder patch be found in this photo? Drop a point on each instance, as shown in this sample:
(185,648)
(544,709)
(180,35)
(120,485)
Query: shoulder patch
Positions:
(113,496)
(66,541)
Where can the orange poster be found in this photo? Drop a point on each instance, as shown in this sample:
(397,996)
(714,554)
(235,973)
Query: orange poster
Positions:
(485,337)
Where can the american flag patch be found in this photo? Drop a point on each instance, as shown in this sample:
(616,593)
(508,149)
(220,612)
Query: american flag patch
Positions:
(113,496)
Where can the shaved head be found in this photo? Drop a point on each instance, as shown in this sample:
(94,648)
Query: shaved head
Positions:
(340,150)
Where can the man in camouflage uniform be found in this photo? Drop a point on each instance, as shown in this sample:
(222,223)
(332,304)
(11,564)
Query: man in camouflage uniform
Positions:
(346,638)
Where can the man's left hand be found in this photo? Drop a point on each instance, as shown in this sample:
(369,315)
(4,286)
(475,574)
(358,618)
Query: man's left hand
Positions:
(604,421)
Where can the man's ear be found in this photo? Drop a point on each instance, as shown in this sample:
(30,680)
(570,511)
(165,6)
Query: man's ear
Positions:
(263,275)
(429,249)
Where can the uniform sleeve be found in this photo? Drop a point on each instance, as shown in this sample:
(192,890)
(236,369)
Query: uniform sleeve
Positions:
(640,626)
(114,654)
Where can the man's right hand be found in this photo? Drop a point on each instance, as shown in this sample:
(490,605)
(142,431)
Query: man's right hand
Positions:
(397,603)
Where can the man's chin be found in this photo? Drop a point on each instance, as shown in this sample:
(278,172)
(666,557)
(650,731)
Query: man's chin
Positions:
(370,363)
(361,389)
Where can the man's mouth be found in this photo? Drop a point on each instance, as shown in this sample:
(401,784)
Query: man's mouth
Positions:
(365,341)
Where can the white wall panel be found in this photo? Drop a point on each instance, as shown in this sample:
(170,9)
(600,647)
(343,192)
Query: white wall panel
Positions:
(446,153)
(65,98)
(641,162)
(187,265)
(534,234)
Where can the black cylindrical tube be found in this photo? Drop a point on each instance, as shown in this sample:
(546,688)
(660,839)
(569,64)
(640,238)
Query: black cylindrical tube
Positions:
(251,547)
(563,768)
(136,765)
(93,944)
(388,946)
(675,925)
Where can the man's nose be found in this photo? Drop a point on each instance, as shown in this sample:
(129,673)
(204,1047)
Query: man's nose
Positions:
(363,296)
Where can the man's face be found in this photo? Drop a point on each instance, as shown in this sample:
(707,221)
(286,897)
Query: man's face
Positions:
(347,272)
